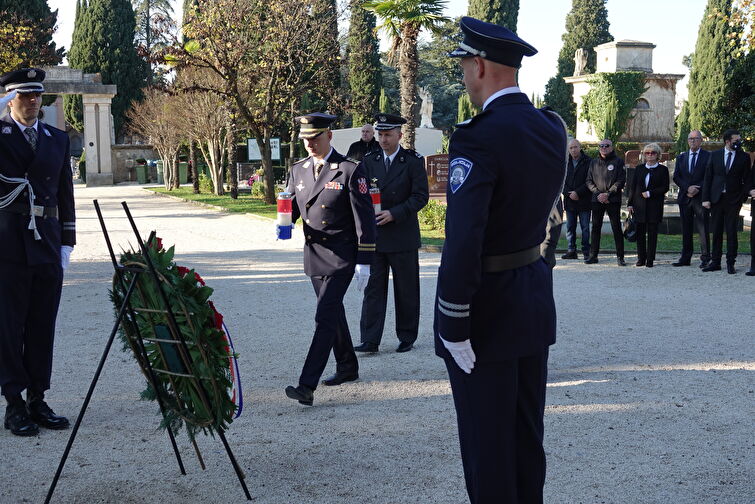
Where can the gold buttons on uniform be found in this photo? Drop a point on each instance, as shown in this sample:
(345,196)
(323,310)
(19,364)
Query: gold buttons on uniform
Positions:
(309,237)
(309,205)
(323,206)
(324,222)
(307,221)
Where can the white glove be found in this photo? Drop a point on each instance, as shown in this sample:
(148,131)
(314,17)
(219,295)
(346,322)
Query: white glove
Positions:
(65,255)
(6,99)
(462,353)
(362,275)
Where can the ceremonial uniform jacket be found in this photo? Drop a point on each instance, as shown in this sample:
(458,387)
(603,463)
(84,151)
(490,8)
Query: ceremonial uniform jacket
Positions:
(506,171)
(607,175)
(49,172)
(403,191)
(339,221)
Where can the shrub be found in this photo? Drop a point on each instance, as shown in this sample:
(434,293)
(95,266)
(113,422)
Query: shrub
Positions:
(205,184)
(433,215)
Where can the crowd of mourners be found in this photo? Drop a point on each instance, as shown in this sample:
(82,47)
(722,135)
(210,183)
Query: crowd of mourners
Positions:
(713,186)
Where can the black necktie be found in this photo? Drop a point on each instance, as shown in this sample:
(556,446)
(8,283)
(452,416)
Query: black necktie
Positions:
(31,136)
(387,163)
(692,163)
(728,161)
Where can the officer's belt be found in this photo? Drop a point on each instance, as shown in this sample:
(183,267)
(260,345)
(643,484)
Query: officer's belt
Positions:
(38,210)
(503,262)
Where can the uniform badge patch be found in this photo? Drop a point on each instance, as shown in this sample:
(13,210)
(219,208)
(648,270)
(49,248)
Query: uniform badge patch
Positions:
(458,173)
(47,133)
(300,186)
(7,130)
(336,186)
(362,185)
(610,167)
(333,166)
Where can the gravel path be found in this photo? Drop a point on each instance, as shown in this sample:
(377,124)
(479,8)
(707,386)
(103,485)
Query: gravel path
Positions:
(651,394)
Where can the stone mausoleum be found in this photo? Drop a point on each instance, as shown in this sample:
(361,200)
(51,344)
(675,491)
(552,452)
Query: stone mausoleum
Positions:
(654,111)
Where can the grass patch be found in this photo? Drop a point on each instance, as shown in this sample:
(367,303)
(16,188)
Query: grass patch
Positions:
(244,204)
(434,237)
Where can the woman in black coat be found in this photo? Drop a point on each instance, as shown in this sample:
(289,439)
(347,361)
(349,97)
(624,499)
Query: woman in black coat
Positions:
(647,193)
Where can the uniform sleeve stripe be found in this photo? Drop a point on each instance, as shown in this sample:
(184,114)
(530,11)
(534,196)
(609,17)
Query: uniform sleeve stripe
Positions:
(453,306)
(453,313)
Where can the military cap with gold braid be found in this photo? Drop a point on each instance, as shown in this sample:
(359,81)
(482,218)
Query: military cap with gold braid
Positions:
(314,124)
(491,42)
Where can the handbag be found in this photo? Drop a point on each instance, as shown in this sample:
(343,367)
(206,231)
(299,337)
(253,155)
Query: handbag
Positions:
(630,229)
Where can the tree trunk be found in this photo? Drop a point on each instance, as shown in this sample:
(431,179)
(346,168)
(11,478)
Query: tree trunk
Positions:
(176,177)
(232,169)
(408,65)
(194,167)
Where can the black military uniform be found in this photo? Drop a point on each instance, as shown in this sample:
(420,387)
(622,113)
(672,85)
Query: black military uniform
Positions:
(339,231)
(402,180)
(35,178)
(495,291)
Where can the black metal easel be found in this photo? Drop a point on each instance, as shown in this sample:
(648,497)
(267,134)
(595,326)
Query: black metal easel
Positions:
(176,339)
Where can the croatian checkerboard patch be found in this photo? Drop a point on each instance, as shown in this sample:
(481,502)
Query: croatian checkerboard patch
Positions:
(458,173)
(363,185)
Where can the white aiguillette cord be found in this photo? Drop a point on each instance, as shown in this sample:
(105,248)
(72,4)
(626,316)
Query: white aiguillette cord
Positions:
(21,184)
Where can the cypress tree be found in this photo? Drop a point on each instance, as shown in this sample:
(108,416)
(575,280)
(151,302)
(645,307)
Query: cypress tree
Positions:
(586,27)
(39,49)
(103,42)
(500,12)
(72,104)
(682,128)
(327,12)
(711,79)
(364,64)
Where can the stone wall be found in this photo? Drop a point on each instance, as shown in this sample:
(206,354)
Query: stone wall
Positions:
(124,160)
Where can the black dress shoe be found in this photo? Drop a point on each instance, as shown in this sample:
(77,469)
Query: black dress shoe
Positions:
(620,261)
(751,272)
(591,260)
(404,346)
(570,255)
(18,422)
(649,264)
(366,347)
(730,269)
(302,393)
(340,378)
(681,263)
(712,267)
(586,256)
(639,263)
(704,264)
(41,413)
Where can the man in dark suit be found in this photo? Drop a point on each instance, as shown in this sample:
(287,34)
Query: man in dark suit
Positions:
(727,178)
(495,315)
(331,195)
(37,230)
(367,144)
(577,199)
(399,174)
(689,175)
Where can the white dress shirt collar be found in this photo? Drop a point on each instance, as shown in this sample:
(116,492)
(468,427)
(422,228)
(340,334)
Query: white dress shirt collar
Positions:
(392,156)
(24,127)
(499,93)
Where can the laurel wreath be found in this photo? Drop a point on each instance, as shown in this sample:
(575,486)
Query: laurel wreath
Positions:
(179,374)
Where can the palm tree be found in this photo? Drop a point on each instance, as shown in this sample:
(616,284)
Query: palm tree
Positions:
(403,20)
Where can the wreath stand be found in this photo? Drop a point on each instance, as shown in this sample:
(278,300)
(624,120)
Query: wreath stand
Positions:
(171,343)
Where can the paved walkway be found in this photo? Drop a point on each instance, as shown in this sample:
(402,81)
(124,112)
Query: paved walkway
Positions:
(650,397)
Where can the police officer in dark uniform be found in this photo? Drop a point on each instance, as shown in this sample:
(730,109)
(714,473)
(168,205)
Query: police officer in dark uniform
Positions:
(37,231)
(495,314)
(400,176)
(331,195)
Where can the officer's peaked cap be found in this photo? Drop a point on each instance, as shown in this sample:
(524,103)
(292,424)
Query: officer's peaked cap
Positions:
(491,42)
(388,121)
(26,80)
(313,124)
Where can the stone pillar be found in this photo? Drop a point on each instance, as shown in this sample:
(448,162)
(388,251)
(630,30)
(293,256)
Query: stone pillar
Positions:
(97,139)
